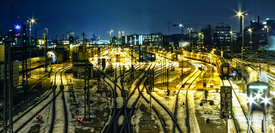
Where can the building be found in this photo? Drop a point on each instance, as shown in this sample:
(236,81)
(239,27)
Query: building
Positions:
(153,39)
(222,35)
(258,35)
(70,33)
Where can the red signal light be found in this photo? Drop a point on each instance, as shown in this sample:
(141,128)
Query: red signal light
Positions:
(80,119)
(39,117)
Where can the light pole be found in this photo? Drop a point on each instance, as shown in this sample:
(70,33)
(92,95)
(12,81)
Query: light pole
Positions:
(181,26)
(267,30)
(110,31)
(250,32)
(190,30)
(31,21)
(12,2)
(242,14)
(231,33)
(169,27)
(47,32)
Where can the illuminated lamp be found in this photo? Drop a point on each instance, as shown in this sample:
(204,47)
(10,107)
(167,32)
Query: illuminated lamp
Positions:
(258,95)
(39,117)
(17,27)
(250,100)
(266,100)
(258,87)
(80,120)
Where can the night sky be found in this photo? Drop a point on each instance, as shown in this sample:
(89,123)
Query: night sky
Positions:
(131,16)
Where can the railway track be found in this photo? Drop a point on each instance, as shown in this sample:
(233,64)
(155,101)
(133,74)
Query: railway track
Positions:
(27,116)
(131,102)
(254,124)
(257,121)
(117,110)
(162,115)
(188,81)
(59,119)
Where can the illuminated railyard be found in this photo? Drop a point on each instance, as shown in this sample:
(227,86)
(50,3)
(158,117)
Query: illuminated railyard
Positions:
(209,80)
(140,89)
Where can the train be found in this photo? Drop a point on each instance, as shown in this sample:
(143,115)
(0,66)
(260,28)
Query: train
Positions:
(172,56)
(258,89)
(146,57)
(117,57)
(223,67)
(35,62)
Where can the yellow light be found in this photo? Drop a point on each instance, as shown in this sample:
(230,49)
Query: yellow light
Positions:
(32,20)
(239,14)
(249,29)
(265,26)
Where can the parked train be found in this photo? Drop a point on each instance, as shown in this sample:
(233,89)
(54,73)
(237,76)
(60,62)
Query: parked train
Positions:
(146,57)
(258,90)
(172,57)
(35,62)
(223,67)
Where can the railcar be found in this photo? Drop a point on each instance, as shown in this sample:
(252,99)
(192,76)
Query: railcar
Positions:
(172,57)
(258,89)
(223,67)
(35,62)
(147,56)
(117,57)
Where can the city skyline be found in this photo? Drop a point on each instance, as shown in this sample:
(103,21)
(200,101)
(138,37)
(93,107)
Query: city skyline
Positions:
(132,17)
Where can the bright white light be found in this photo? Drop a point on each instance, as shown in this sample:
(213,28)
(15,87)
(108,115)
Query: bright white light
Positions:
(258,95)
(250,100)
(257,87)
(266,100)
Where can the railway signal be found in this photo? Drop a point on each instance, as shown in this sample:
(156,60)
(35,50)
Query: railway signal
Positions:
(168,92)
(39,117)
(226,103)
(80,120)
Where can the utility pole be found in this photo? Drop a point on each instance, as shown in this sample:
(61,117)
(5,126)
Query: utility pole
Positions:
(169,27)
(267,30)
(35,38)
(98,77)
(132,75)
(168,91)
(24,61)
(87,111)
(45,53)
(241,14)
(8,84)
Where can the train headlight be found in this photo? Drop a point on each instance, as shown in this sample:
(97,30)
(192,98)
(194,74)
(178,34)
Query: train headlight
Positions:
(266,100)
(250,100)
(258,95)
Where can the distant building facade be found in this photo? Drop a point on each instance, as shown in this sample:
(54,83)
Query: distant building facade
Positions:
(222,35)
(153,39)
